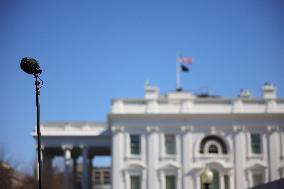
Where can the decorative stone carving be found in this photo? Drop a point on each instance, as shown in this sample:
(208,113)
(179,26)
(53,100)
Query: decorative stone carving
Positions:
(185,129)
(152,129)
(239,128)
(272,128)
(116,129)
(212,130)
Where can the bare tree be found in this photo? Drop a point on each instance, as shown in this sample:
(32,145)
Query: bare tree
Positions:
(5,175)
(12,179)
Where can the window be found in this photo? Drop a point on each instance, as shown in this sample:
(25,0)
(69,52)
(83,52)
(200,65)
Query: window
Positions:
(227,182)
(213,149)
(135,182)
(257,179)
(170,144)
(213,144)
(135,144)
(215,183)
(255,143)
(170,182)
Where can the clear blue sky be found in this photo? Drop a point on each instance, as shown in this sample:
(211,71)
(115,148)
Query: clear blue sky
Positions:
(93,51)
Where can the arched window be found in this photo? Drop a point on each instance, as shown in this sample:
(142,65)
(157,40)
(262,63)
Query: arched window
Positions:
(213,149)
(213,145)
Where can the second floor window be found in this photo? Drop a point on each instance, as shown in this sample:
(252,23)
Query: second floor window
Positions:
(170,144)
(135,144)
(255,143)
(213,144)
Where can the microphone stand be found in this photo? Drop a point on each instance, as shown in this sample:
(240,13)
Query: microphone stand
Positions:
(38,85)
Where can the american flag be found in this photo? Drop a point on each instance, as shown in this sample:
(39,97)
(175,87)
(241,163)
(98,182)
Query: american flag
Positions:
(184,60)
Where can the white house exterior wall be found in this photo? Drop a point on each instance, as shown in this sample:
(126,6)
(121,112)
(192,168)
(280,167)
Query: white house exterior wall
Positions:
(191,119)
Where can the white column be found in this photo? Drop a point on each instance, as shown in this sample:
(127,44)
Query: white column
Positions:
(187,156)
(222,181)
(231,180)
(249,178)
(143,180)
(86,169)
(152,157)
(117,158)
(239,156)
(197,181)
(273,152)
(67,164)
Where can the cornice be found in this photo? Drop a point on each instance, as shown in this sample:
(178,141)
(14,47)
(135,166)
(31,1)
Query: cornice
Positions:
(224,116)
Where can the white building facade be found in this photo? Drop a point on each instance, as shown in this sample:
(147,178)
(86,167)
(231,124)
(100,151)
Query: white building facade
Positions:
(165,142)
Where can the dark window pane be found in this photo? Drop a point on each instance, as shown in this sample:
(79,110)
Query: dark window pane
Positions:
(170,144)
(135,182)
(213,149)
(215,183)
(256,143)
(135,144)
(170,182)
(227,182)
(257,179)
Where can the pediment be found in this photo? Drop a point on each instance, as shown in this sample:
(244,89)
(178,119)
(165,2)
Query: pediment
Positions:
(257,166)
(135,166)
(170,166)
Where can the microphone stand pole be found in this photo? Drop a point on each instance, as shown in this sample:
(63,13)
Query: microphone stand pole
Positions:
(39,159)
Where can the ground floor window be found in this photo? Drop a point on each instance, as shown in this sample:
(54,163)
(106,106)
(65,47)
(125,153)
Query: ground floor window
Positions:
(170,182)
(257,179)
(227,182)
(135,182)
(216,181)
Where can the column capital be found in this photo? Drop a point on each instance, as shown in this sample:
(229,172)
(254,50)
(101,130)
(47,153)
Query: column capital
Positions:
(152,129)
(67,154)
(67,146)
(186,129)
(272,128)
(212,130)
(117,129)
(239,128)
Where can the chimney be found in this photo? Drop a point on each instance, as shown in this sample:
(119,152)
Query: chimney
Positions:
(245,94)
(151,92)
(268,91)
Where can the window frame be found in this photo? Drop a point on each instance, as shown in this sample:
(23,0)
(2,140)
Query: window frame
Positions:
(166,144)
(175,180)
(258,174)
(259,145)
(206,141)
(130,181)
(133,147)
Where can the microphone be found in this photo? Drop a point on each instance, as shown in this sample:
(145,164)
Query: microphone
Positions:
(30,66)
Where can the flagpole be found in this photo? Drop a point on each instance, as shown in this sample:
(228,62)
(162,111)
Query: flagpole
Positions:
(178,81)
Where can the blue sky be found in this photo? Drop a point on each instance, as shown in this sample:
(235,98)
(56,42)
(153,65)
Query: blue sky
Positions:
(93,51)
